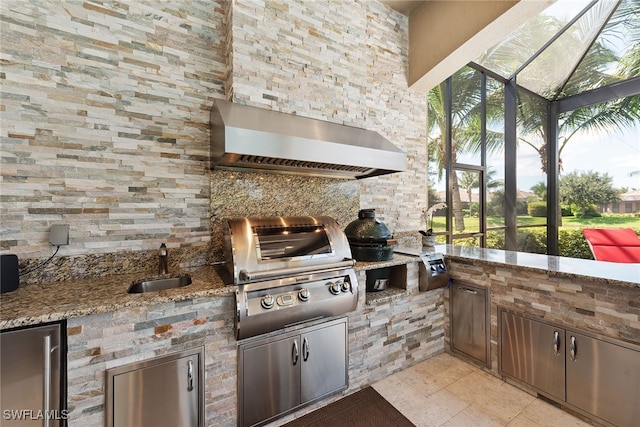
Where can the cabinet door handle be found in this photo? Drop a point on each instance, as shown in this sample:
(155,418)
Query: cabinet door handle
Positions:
(467,290)
(294,353)
(305,349)
(190,375)
(573,348)
(556,343)
(47,379)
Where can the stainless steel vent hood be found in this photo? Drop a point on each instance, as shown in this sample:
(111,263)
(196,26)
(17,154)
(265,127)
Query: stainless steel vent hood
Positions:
(251,138)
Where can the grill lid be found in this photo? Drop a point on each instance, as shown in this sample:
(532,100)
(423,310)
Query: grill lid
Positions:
(260,248)
(251,138)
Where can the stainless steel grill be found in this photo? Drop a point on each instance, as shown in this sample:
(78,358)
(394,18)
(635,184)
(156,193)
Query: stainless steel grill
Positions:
(289,270)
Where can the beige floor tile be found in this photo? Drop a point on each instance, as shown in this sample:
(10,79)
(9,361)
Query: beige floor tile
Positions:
(492,396)
(392,388)
(547,415)
(431,377)
(472,416)
(432,411)
(448,392)
(522,421)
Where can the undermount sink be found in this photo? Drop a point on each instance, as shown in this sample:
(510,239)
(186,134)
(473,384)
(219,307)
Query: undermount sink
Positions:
(159,284)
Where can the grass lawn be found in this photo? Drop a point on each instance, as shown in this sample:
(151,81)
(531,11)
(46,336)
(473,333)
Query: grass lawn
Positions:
(608,221)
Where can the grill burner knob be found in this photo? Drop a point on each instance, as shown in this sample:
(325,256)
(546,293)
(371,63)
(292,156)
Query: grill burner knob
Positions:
(267,301)
(334,288)
(304,294)
(346,286)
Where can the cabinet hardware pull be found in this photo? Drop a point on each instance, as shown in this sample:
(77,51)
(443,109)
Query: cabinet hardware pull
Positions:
(305,349)
(467,290)
(47,379)
(190,375)
(573,348)
(294,353)
(556,343)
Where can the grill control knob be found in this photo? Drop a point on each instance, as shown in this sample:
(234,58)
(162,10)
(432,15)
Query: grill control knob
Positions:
(334,288)
(267,301)
(304,294)
(345,286)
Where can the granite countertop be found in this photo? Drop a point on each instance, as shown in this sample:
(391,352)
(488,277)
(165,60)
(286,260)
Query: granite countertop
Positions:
(619,274)
(48,302)
(398,259)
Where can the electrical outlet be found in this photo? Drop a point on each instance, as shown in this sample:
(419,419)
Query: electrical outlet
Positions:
(59,235)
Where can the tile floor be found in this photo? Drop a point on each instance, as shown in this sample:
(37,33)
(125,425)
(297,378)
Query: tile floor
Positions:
(446,391)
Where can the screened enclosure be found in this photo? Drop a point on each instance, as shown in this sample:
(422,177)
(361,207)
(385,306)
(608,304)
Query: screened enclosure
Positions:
(541,132)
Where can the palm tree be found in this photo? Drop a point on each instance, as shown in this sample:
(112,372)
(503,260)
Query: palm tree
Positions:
(592,72)
(468,180)
(465,132)
(540,190)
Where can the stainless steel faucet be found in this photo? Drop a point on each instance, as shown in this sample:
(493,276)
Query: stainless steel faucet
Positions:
(163,253)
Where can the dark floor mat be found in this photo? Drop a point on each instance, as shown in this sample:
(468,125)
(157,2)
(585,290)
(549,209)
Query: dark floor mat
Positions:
(365,408)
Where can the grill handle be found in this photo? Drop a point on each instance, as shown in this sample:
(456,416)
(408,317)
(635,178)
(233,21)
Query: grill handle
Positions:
(247,276)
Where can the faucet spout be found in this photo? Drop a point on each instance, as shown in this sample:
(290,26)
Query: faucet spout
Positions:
(163,254)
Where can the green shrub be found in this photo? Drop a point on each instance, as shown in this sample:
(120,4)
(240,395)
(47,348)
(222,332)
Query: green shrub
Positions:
(521,207)
(566,211)
(571,243)
(588,212)
(495,239)
(533,241)
(474,209)
(537,209)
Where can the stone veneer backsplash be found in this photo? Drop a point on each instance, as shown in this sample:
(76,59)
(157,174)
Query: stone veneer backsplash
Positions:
(105,112)
(384,337)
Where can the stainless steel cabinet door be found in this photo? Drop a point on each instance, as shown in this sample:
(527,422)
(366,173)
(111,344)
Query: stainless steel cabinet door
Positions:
(603,379)
(533,352)
(30,372)
(469,321)
(270,379)
(160,392)
(324,361)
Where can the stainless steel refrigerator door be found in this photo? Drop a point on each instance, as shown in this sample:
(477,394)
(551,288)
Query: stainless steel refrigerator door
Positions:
(161,392)
(30,372)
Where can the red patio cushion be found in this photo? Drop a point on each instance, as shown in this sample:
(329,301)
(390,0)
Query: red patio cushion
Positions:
(613,244)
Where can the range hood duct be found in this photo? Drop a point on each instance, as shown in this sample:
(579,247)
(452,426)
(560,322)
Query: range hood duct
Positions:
(255,139)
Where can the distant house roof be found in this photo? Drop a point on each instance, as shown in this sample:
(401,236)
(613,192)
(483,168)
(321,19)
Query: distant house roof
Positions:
(630,196)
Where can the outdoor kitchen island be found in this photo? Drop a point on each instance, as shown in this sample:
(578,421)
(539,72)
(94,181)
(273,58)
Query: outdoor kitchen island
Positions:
(388,331)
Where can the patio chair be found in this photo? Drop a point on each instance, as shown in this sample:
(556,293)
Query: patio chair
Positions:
(613,244)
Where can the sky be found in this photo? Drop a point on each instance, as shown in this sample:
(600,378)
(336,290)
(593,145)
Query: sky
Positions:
(618,155)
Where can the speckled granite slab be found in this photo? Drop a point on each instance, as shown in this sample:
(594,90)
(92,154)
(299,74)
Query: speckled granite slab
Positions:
(51,301)
(46,302)
(593,271)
